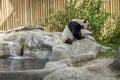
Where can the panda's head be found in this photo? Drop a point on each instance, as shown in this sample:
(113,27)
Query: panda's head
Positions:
(83,22)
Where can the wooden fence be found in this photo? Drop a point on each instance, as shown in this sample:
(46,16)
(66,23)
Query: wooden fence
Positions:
(15,13)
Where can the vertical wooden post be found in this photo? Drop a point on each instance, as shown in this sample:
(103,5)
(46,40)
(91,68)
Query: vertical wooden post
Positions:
(25,13)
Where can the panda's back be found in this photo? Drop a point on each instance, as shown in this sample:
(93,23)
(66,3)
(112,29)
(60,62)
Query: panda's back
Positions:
(67,34)
(74,27)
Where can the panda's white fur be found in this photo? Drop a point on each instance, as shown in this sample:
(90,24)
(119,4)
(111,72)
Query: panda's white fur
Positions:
(67,34)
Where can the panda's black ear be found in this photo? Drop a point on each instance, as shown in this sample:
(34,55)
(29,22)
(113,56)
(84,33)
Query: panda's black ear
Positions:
(85,20)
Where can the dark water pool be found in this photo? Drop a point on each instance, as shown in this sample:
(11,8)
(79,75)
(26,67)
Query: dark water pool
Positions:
(22,64)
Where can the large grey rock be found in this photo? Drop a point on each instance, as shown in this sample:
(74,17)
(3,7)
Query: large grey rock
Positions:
(79,50)
(116,62)
(25,74)
(34,42)
(70,73)
(39,44)
(24,28)
(99,69)
(86,49)
(60,52)
(48,45)
(9,48)
(2,35)
(4,49)
(58,64)
(88,35)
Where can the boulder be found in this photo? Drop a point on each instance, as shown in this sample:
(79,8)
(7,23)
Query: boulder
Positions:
(79,50)
(86,49)
(37,43)
(2,35)
(60,52)
(4,49)
(116,62)
(58,64)
(25,74)
(24,28)
(88,35)
(69,73)
(9,48)
(34,41)
(99,69)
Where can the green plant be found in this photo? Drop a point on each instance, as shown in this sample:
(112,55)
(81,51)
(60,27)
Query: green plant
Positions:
(114,35)
(108,54)
(117,76)
(96,16)
(57,21)
(89,9)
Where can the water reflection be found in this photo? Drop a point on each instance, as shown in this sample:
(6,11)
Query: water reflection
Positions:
(22,64)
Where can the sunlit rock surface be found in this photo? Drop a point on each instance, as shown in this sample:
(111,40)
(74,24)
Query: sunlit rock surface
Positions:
(70,73)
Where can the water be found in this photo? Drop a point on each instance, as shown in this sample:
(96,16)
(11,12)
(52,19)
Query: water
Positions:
(16,62)
(20,57)
(12,49)
(22,64)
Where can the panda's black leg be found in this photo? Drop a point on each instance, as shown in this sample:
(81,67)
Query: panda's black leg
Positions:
(68,41)
(80,34)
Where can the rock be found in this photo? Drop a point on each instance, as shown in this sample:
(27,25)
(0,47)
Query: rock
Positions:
(58,64)
(60,52)
(88,35)
(25,74)
(105,49)
(2,35)
(85,49)
(9,48)
(15,37)
(99,69)
(95,68)
(80,50)
(24,28)
(69,73)
(4,49)
(48,45)
(39,44)
(34,46)
(116,62)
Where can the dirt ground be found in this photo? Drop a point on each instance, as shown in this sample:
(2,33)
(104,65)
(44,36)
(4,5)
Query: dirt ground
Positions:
(99,69)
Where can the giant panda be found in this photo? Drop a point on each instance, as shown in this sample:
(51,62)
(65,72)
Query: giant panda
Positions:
(73,30)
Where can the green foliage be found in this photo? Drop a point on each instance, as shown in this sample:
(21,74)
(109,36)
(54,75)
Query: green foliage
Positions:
(118,76)
(114,35)
(108,54)
(95,15)
(112,45)
(89,9)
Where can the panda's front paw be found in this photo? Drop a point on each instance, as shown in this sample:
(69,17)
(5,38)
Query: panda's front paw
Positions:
(68,41)
(83,37)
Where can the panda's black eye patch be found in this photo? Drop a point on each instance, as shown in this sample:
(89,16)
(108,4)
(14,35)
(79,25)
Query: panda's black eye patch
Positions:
(81,26)
(88,25)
